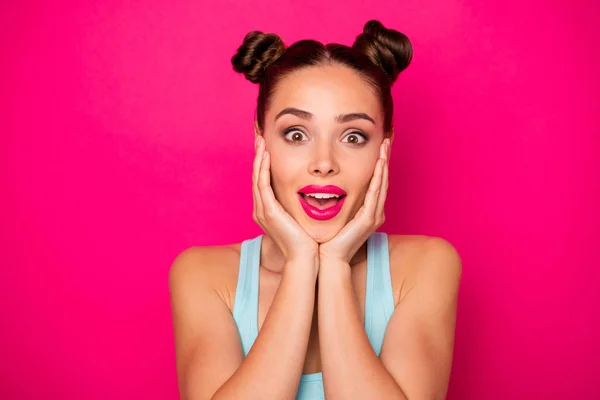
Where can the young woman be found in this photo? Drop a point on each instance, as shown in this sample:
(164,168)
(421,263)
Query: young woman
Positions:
(321,304)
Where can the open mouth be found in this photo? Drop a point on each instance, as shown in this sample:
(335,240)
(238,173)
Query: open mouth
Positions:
(322,201)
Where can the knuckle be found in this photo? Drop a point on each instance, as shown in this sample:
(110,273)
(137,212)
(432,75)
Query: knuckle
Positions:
(270,213)
(368,221)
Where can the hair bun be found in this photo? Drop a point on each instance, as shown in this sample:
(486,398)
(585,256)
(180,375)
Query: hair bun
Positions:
(387,48)
(258,51)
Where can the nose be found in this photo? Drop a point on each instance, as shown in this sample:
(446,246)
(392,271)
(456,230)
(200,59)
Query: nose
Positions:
(323,162)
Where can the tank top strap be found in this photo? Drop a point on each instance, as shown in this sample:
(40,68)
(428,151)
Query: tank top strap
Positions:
(245,305)
(379,297)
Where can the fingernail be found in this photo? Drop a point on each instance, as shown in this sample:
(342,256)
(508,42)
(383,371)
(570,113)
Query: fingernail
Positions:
(265,154)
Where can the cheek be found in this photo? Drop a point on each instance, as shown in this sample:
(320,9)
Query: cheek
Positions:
(282,177)
(363,186)
(361,176)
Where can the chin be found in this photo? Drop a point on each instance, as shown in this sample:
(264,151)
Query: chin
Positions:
(323,232)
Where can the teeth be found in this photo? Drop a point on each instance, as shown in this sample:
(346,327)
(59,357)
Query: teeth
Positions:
(322,195)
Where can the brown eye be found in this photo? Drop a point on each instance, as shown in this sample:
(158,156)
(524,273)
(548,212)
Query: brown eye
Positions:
(295,136)
(355,138)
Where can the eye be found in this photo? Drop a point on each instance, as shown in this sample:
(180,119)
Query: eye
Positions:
(294,135)
(355,138)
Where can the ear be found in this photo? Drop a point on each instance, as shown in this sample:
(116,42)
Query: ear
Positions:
(257,131)
(391,136)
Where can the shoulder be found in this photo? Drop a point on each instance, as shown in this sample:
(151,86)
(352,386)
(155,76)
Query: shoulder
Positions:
(419,339)
(206,267)
(203,260)
(423,249)
(438,256)
(418,258)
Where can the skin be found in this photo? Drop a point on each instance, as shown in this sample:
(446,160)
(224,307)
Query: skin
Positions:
(298,251)
(326,153)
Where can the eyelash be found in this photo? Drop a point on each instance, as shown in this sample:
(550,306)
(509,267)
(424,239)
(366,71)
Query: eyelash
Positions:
(357,133)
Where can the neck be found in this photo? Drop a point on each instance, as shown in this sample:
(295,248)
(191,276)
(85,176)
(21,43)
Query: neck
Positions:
(272,259)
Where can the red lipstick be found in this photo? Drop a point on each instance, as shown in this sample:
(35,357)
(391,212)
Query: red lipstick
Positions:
(321,202)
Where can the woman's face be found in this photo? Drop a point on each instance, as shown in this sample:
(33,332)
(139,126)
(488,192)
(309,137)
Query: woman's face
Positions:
(312,144)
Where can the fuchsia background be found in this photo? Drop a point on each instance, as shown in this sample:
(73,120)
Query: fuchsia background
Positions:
(126,137)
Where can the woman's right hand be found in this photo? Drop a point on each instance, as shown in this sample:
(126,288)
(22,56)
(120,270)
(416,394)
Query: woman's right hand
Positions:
(295,244)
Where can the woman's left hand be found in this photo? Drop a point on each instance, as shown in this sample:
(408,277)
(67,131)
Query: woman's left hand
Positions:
(371,215)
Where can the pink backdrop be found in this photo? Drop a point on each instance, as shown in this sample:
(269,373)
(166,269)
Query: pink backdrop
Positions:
(126,137)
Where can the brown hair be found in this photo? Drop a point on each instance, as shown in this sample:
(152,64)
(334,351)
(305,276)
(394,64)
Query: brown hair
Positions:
(378,55)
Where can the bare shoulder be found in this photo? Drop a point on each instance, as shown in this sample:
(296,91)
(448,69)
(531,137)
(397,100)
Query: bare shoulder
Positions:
(207,345)
(212,267)
(415,258)
(421,249)
(418,344)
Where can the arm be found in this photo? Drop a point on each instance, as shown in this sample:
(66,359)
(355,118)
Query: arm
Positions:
(210,363)
(416,357)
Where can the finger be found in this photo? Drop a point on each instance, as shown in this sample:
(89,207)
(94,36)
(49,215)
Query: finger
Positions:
(385,152)
(258,160)
(380,212)
(388,150)
(374,189)
(264,184)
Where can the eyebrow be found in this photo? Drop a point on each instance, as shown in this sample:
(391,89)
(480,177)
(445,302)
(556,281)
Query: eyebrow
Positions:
(341,118)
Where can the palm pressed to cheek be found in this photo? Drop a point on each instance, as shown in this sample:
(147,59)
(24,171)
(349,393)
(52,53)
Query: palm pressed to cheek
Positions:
(283,176)
(362,170)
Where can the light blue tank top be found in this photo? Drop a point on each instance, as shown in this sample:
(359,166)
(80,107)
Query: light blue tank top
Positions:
(379,302)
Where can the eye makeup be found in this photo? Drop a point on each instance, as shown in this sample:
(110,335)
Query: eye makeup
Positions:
(365,137)
(357,133)
(289,130)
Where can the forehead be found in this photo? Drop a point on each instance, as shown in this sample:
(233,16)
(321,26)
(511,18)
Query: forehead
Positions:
(325,91)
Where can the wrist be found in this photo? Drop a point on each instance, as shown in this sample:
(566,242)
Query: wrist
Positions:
(330,258)
(333,264)
(302,267)
(333,253)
